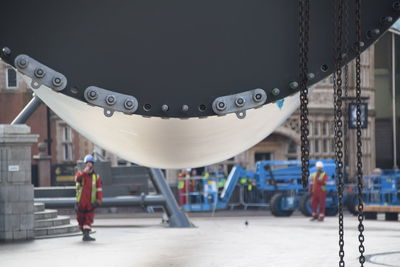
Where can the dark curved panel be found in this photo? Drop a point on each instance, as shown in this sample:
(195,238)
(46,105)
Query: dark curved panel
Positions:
(178,52)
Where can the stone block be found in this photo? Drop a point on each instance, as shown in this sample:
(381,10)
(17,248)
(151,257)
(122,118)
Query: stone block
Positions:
(23,175)
(3,193)
(27,222)
(16,193)
(19,153)
(40,232)
(5,236)
(26,192)
(12,222)
(6,129)
(12,193)
(2,223)
(19,208)
(19,235)
(30,234)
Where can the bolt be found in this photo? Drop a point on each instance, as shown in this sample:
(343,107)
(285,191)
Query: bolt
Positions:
(57,81)
(240,102)
(128,104)
(203,107)
(361,44)
(164,108)
(373,32)
(396,5)
(22,63)
(40,73)
(221,105)
(257,97)
(310,76)
(92,95)
(293,85)
(110,100)
(185,108)
(387,20)
(276,91)
(6,51)
(147,107)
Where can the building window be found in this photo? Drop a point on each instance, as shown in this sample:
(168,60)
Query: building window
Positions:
(11,79)
(325,146)
(67,152)
(292,147)
(316,146)
(262,156)
(67,134)
(67,147)
(325,128)
(316,129)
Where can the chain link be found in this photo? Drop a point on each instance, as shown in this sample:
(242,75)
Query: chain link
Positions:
(339,123)
(361,239)
(304,17)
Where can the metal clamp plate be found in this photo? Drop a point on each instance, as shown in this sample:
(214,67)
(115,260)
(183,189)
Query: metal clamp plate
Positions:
(40,74)
(111,101)
(239,103)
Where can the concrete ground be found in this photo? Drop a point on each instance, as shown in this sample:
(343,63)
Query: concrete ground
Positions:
(216,241)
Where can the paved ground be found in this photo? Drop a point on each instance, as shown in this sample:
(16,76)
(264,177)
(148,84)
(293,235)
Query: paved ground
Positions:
(217,241)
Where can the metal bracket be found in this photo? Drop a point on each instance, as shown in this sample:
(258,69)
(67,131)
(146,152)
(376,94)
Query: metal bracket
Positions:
(111,101)
(239,103)
(40,74)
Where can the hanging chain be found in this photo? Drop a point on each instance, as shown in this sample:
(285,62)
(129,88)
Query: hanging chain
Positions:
(339,124)
(304,18)
(346,89)
(361,247)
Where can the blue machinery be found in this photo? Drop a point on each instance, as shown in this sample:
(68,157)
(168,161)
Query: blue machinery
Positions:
(269,186)
(381,195)
(277,185)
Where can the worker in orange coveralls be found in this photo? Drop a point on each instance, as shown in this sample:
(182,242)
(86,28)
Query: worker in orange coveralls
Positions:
(89,194)
(318,192)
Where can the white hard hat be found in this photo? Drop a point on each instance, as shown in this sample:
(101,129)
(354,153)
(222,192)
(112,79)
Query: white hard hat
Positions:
(319,164)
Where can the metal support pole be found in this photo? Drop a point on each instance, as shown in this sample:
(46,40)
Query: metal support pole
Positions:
(177,218)
(28,110)
(121,201)
(394,102)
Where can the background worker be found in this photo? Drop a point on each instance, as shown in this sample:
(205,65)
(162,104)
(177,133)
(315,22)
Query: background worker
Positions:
(318,192)
(89,194)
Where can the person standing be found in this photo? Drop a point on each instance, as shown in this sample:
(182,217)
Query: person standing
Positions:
(89,195)
(318,192)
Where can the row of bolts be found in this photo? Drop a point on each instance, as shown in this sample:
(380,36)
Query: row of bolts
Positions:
(220,105)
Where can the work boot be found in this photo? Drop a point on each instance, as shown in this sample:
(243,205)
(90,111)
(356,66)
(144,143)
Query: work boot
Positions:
(313,218)
(87,237)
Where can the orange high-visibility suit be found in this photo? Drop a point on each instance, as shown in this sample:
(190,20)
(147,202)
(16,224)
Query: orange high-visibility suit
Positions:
(89,193)
(318,194)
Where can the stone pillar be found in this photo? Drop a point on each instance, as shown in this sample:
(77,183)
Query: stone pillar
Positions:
(16,190)
(44,165)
